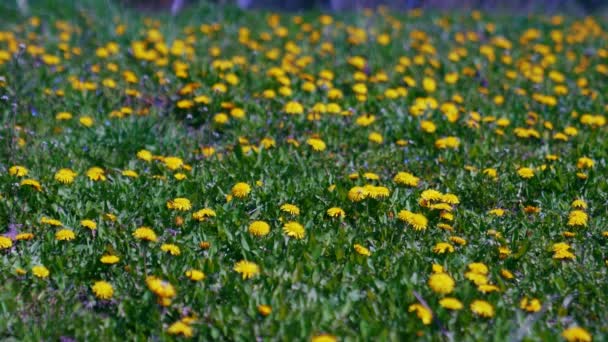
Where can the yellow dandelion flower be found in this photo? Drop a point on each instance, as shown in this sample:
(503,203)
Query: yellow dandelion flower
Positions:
(498,212)
(268,142)
(530,305)
(371,176)
(96,174)
(428,126)
(247,269)
(561,251)
(109,259)
(458,240)
(482,308)
(208,151)
(577,218)
(241,190)
(160,287)
(51,222)
(362,250)
(525,172)
(377,192)
(195,275)
(144,155)
(259,228)
(293,107)
(441,283)
(170,249)
(173,163)
(130,173)
(441,206)
(264,310)
(429,84)
(450,199)
(65,235)
(220,118)
(110,217)
(506,274)
(145,234)
(585,163)
(504,252)
(180,328)
(103,290)
(89,224)
(179,204)
(447,143)
(357,194)
(436,268)
(324,338)
(31,182)
(185,104)
(476,278)
(86,121)
(365,120)
(451,303)
(406,179)
(40,271)
(404,215)
(18,171)
(5,242)
(65,176)
(294,229)
(415,220)
(316,144)
(336,212)
(579,204)
(442,248)
(202,99)
(490,172)
(487,288)
(479,268)
(290,209)
(62,116)
(375,137)
(237,113)
(445,226)
(576,334)
(431,195)
(422,312)
(203,214)
(446,215)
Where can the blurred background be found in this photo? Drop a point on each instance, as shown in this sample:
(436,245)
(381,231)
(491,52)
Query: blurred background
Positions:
(580,7)
(338,5)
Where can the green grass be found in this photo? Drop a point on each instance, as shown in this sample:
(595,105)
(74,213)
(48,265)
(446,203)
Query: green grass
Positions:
(319,284)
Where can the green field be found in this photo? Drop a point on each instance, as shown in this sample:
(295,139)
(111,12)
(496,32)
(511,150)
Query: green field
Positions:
(229,175)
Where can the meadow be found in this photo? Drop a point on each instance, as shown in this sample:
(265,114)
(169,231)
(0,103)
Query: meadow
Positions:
(232,175)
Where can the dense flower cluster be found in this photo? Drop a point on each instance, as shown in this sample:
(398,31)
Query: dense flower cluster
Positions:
(379,176)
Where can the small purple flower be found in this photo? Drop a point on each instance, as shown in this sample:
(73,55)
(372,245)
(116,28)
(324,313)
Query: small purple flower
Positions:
(13,230)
